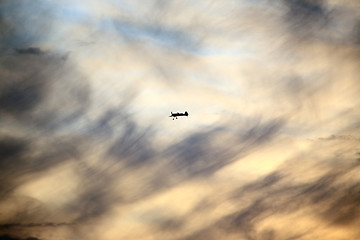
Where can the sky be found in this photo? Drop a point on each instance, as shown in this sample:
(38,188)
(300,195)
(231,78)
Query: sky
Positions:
(270,149)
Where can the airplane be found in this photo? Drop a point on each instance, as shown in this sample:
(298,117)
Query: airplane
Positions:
(175,115)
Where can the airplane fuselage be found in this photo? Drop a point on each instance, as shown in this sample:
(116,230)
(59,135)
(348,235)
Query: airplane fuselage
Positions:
(175,115)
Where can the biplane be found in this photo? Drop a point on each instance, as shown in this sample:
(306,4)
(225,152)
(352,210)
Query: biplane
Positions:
(177,114)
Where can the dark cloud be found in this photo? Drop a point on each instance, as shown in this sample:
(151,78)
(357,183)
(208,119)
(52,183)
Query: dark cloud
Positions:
(133,146)
(311,9)
(345,209)
(7,237)
(11,148)
(132,154)
(335,205)
(263,183)
(12,152)
(39,95)
(93,201)
(39,86)
(320,20)
(21,97)
(201,154)
(201,235)
(29,157)
(29,50)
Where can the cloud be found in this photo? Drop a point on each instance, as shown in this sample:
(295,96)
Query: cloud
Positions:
(30,50)
(85,141)
(36,84)
(7,237)
(23,24)
(202,152)
(331,23)
(159,34)
(278,199)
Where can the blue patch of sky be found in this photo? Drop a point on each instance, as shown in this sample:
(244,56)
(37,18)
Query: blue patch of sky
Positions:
(33,20)
(71,13)
(159,35)
(174,38)
(24,25)
(132,8)
(267,3)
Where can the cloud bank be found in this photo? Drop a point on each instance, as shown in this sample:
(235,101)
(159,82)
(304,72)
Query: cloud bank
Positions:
(87,150)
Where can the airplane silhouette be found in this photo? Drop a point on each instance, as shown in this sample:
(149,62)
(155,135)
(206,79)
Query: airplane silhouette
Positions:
(175,115)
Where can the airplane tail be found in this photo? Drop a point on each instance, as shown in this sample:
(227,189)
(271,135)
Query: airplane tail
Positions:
(186,114)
